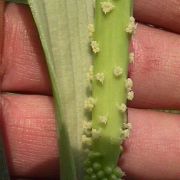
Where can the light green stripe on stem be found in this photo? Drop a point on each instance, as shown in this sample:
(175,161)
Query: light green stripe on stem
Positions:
(114,43)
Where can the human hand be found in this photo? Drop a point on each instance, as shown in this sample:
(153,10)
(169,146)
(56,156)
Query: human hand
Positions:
(153,150)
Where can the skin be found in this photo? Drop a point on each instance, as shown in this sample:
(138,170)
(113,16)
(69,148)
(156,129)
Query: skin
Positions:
(153,150)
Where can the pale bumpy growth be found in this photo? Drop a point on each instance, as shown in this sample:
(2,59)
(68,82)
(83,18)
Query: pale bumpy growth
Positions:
(131,57)
(103,137)
(131,28)
(95,46)
(90,104)
(91,30)
(129,84)
(118,71)
(100,77)
(87,125)
(122,107)
(130,95)
(103,120)
(90,74)
(107,6)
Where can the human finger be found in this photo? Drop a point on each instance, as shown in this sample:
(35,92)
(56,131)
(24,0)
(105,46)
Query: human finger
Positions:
(155,71)
(163,14)
(151,152)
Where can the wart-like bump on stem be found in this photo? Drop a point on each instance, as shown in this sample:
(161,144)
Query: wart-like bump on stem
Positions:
(100,77)
(130,95)
(91,29)
(129,84)
(90,74)
(103,119)
(118,71)
(127,126)
(125,133)
(95,46)
(87,125)
(89,104)
(131,57)
(107,6)
(131,28)
(122,107)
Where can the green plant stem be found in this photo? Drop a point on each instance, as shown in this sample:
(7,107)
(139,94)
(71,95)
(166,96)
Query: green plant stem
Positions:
(113,40)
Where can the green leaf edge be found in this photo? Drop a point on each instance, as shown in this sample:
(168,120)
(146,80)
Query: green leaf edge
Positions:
(4,172)
(69,159)
(65,155)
